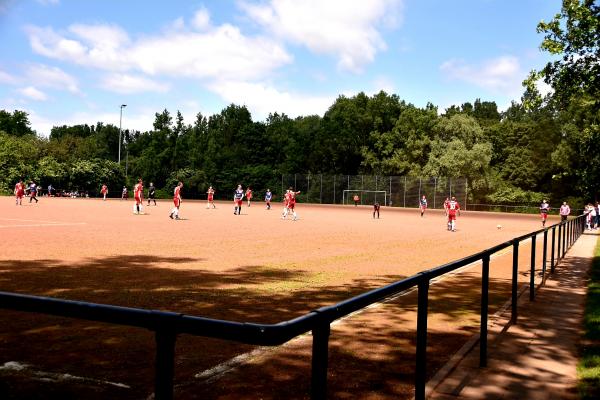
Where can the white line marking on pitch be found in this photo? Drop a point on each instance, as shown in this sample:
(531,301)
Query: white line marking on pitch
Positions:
(38,225)
(14,366)
(221,369)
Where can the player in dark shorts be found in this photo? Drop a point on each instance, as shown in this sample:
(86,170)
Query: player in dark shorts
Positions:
(376,208)
(151,193)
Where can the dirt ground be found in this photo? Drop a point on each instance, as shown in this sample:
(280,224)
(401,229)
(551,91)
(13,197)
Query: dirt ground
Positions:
(254,267)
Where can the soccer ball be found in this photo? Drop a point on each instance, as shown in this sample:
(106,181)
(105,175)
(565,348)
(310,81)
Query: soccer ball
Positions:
(499,226)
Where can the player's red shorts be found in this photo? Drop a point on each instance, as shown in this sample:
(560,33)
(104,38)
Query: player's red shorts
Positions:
(20,194)
(138,200)
(237,202)
(544,216)
(291,206)
(177,201)
(210,197)
(451,216)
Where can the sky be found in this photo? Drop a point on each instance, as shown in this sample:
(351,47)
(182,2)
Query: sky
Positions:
(74,62)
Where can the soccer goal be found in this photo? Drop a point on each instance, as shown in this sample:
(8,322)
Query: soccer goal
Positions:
(368,197)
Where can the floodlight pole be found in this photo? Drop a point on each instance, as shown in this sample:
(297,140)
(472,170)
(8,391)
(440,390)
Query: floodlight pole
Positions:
(120,121)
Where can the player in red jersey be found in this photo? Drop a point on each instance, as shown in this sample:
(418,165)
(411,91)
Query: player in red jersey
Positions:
(176,201)
(292,203)
(286,203)
(453,210)
(544,209)
(19,192)
(138,194)
(248,195)
(104,192)
(446,205)
(210,197)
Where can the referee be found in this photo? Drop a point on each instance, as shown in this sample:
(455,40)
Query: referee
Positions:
(151,193)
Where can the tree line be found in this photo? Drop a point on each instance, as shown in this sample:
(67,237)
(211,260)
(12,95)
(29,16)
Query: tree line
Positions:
(518,155)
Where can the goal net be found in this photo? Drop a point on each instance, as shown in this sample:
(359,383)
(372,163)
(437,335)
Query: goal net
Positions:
(368,197)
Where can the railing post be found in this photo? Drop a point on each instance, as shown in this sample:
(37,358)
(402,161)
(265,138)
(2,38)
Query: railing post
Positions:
(559,241)
(421,369)
(320,356)
(564,240)
(532,273)
(485,286)
(552,251)
(544,256)
(515,282)
(165,364)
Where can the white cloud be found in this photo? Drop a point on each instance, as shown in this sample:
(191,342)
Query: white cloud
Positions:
(127,84)
(262,99)
(217,52)
(141,120)
(347,29)
(33,93)
(223,52)
(501,74)
(201,19)
(51,77)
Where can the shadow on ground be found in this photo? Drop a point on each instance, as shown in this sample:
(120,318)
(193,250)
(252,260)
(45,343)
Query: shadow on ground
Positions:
(371,355)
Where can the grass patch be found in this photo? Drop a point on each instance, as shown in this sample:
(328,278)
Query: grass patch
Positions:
(589,364)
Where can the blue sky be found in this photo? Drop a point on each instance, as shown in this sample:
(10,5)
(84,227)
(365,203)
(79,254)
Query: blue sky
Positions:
(70,61)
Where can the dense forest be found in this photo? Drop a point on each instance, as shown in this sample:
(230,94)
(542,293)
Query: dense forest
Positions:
(538,147)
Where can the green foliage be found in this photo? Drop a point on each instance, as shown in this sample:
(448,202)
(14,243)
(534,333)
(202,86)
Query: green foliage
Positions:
(15,124)
(573,35)
(588,369)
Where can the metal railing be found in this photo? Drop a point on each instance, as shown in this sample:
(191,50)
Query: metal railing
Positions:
(167,325)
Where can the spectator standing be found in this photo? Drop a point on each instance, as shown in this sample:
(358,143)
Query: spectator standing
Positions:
(565,210)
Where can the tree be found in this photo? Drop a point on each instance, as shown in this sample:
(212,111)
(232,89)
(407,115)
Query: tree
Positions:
(16,124)
(574,34)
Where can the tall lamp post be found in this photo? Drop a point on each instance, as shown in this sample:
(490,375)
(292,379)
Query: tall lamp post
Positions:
(120,121)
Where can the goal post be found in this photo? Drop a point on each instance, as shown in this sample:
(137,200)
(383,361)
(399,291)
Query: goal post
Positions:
(364,196)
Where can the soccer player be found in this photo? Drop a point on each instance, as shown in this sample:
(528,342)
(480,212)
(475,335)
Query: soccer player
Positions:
(376,207)
(423,205)
(453,209)
(151,193)
(248,195)
(176,201)
(210,197)
(19,192)
(138,194)
(104,192)
(292,203)
(268,198)
(33,192)
(446,205)
(238,195)
(124,194)
(356,199)
(544,208)
(286,203)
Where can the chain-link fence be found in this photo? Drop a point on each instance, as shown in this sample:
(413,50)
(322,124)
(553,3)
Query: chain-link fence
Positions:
(400,191)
